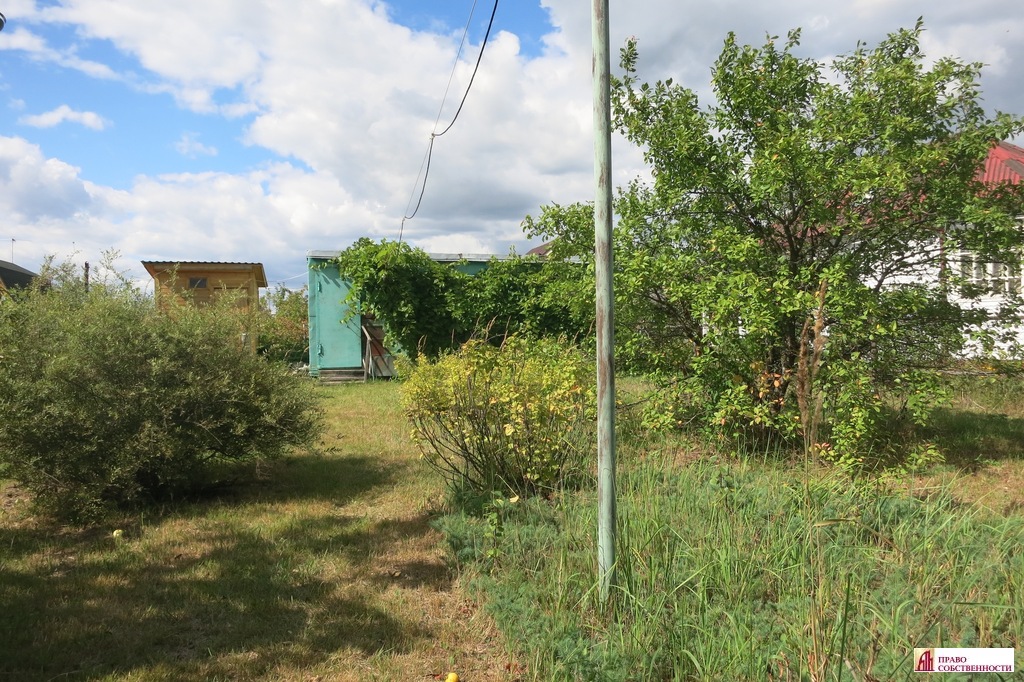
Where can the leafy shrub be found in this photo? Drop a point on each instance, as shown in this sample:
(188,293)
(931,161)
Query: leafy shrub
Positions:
(106,401)
(284,325)
(515,418)
(430,307)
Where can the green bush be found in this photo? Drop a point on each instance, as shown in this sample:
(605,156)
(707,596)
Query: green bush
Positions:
(516,418)
(106,401)
(283,325)
(431,307)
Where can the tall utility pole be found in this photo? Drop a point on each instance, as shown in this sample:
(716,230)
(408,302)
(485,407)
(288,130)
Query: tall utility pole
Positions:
(605,300)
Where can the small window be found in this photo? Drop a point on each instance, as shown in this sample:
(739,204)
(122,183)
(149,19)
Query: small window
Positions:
(196,282)
(993,277)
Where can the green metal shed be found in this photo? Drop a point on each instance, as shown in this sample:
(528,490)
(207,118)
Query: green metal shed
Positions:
(334,342)
(342,349)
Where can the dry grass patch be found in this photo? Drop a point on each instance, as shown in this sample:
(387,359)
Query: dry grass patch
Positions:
(324,568)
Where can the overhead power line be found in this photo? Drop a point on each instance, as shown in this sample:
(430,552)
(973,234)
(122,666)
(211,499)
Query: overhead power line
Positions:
(476,68)
(425,165)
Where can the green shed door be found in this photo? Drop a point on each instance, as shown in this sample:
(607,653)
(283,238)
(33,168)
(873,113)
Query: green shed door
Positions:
(333,344)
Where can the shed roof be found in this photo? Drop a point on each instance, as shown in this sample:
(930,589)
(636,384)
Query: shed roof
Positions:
(153,267)
(12,275)
(439,257)
(541,250)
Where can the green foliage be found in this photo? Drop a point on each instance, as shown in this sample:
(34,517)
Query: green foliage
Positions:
(106,401)
(407,292)
(284,325)
(796,245)
(429,307)
(526,295)
(515,418)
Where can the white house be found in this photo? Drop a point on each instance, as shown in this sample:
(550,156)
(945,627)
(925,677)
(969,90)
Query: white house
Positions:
(1002,279)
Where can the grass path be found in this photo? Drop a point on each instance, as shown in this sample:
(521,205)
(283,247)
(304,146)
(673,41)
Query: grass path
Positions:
(404,566)
(327,569)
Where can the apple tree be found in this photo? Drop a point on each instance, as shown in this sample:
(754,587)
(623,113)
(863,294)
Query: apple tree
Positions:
(792,264)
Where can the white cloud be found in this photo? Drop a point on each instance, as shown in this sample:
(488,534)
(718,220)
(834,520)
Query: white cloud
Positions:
(973,42)
(189,145)
(272,215)
(36,47)
(36,190)
(63,114)
(190,41)
(454,244)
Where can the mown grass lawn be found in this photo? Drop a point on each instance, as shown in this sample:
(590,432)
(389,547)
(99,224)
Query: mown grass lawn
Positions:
(322,566)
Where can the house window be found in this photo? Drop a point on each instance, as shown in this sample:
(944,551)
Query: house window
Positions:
(196,282)
(996,277)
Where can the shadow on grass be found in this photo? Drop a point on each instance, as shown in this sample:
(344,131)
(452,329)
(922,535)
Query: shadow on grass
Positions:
(246,595)
(410,572)
(970,440)
(321,477)
(309,478)
(234,602)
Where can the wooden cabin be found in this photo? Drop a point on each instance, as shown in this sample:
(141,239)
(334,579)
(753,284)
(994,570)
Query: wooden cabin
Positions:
(203,282)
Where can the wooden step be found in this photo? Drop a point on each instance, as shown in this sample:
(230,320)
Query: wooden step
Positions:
(337,376)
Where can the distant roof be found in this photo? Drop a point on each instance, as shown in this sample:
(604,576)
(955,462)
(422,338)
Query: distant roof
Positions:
(439,257)
(14,275)
(153,267)
(1005,163)
(471,257)
(541,250)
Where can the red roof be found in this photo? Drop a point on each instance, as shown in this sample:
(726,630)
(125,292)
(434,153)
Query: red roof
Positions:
(541,250)
(1005,163)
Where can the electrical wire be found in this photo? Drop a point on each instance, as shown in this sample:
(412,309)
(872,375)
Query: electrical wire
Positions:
(476,68)
(455,64)
(425,166)
(423,188)
(440,110)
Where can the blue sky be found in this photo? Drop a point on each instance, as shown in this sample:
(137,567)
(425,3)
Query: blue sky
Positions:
(527,20)
(252,130)
(146,133)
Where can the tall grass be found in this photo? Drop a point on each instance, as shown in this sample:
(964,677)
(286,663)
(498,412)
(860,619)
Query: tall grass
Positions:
(732,571)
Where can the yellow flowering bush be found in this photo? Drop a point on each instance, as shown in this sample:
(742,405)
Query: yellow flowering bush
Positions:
(517,418)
